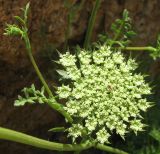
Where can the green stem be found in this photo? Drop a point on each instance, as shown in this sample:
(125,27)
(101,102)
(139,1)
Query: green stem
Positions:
(11,135)
(118,34)
(149,48)
(109,149)
(29,51)
(56,106)
(91,24)
(67,33)
(7,134)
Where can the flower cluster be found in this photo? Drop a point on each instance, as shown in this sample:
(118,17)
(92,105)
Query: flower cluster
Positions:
(104,94)
(13,30)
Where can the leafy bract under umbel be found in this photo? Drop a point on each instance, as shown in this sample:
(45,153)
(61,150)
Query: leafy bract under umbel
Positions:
(104,94)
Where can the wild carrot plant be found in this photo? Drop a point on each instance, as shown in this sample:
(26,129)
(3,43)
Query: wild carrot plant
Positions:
(104,94)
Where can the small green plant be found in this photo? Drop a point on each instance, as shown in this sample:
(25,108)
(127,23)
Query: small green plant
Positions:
(103,93)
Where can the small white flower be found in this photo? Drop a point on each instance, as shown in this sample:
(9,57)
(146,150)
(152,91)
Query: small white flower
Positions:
(84,57)
(64,91)
(91,123)
(67,59)
(136,125)
(75,131)
(102,136)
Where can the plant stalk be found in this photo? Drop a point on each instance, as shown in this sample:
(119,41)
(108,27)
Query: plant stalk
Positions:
(11,135)
(119,32)
(29,51)
(91,24)
(56,106)
(67,33)
(148,48)
(109,149)
(7,134)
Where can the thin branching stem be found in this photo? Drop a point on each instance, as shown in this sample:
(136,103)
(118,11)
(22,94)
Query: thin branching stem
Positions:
(29,51)
(54,104)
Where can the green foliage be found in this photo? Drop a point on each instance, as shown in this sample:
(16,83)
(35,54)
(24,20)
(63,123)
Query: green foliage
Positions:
(15,30)
(155,134)
(153,148)
(26,10)
(123,34)
(57,129)
(156,54)
(12,30)
(31,96)
(149,150)
(122,30)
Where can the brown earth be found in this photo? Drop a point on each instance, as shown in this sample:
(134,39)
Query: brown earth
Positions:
(47,25)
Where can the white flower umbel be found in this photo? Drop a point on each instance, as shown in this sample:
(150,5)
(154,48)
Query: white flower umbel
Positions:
(104,94)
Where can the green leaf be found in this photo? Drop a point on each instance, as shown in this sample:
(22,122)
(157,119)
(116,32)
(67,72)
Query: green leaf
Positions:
(57,129)
(131,33)
(31,95)
(19,19)
(122,30)
(155,52)
(33,87)
(13,30)
(40,100)
(42,90)
(26,10)
(155,134)
(126,15)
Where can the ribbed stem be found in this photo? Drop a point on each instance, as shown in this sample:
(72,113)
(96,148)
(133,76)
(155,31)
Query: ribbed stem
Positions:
(91,24)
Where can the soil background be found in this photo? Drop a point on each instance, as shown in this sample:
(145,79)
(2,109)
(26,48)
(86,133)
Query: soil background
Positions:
(47,26)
